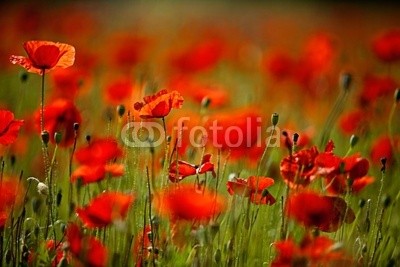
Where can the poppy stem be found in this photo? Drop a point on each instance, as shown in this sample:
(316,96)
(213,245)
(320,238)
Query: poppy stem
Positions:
(42,103)
(390,131)
(164,126)
(151,221)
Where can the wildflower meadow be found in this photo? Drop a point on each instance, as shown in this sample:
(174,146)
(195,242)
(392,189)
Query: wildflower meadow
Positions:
(202,133)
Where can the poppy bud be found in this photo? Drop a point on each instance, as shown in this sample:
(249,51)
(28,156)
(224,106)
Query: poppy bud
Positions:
(383,162)
(274,119)
(353,140)
(12,160)
(217,256)
(23,76)
(63,227)
(205,102)
(45,137)
(57,137)
(43,189)
(397,95)
(345,81)
(168,138)
(386,201)
(88,137)
(76,126)
(59,198)
(361,203)
(121,110)
(295,138)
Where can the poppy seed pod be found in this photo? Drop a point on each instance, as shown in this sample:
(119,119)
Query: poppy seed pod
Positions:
(353,140)
(274,119)
(121,110)
(205,103)
(45,137)
(345,81)
(57,137)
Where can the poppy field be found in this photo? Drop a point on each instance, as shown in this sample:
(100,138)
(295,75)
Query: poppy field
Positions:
(199,134)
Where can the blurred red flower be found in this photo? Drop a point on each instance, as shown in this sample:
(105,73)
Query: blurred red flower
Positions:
(185,202)
(118,91)
(98,152)
(279,65)
(354,121)
(180,169)
(87,250)
(318,251)
(56,250)
(323,212)
(386,46)
(45,56)
(60,116)
(105,208)
(382,147)
(11,195)
(375,87)
(9,127)
(158,105)
(95,173)
(298,170)
(253,187)
(68,83)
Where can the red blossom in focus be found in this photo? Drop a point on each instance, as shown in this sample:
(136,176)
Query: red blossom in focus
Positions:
(86,249)
(187,203)
(386,46)
(254,187)
(45,56)
(104,209)
(180,169)
(323,212)
(298,170)
(318,251)
(159,105)
(60,116)
(9,127)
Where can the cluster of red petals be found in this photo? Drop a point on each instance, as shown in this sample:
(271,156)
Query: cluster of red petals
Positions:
(326,213)
(343,174)
(375,87)
(201,56)
(318,251)
(87,250)
(60,116)
(95,159)
(386,46)
(186,202)
(253,187)
(298,169)
(180,169)
(198,91)
(11,194)
(45,56)
(382,147)
(9,127)
(105,208)
(159,105)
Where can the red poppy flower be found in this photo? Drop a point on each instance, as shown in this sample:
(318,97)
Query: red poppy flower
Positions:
(118,91)
(375,87)
(201,56)
(180,169)
(88,250)
(185,202)
(382,147)
(105,208)
(9,127)
(11,195)
(45,56)
(98,152)
(159,105)
(354,121)
(68,83)
(60,116)
(318,251)
(253,187)
(386,46)
(279,65)
(298,169)
(95,173)
(323,212)
(339,184)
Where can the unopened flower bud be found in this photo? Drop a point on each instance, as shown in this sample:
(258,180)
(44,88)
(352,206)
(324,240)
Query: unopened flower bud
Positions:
(345,81)
(43,189)
(353,140)
(397,95)
(295,138)
(57,137)
(23,76)
(274,119)
(88,138)
(45,137)
(205,102)
(59,198)
(386,201)
(121,110)
(361,203)
(76,126)
(383,162)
